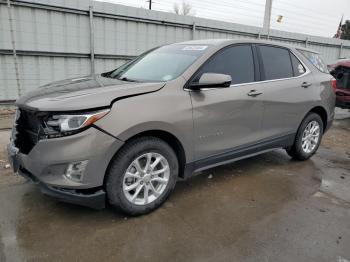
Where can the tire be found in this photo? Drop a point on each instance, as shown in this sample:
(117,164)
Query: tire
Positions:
(150,192)
(299,150)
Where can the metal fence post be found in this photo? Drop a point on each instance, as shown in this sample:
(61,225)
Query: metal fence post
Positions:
(14,53)
(92,42)
(259,35)
(341,50)
(306,42)
(193,30)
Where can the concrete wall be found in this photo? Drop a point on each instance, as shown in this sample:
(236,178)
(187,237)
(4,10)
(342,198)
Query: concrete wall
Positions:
(52,39)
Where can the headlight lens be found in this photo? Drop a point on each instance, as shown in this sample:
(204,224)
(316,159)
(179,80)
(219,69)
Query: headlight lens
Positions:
(73,122)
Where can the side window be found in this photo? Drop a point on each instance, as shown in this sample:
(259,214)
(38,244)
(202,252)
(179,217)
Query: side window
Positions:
(236,61)
(315,59)
(298,67)
(276,62)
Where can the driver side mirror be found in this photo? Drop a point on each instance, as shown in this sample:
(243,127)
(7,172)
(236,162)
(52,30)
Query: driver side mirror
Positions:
(212,80)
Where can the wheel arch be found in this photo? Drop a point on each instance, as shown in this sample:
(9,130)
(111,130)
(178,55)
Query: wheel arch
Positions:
(173,141)
(170,139)
(322,113)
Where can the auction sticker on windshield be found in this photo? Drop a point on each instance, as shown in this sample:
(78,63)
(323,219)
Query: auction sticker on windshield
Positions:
(195,47)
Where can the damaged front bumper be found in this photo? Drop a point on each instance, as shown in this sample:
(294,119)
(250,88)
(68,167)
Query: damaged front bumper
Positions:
(95,200)
(48,161)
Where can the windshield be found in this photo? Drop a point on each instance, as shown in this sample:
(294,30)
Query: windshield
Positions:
(162,64)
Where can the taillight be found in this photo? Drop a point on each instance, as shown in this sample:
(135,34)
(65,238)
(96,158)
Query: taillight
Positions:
(334,84)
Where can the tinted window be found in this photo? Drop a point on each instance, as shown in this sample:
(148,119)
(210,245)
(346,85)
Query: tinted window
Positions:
(316,60)
(276,62)
(236,61)
(298,67)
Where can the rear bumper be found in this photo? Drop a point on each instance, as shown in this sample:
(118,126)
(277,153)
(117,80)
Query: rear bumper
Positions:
(95,200)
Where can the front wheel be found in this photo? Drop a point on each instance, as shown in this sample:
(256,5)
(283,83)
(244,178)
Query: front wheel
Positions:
(308,138)
(142,175)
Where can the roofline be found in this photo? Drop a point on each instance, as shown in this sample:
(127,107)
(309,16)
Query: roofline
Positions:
(306,49)
(224,42)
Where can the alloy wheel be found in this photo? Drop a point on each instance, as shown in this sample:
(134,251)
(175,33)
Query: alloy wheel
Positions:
(146,178)
(311,136)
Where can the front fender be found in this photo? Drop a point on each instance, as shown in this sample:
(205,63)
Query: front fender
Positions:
(167,110)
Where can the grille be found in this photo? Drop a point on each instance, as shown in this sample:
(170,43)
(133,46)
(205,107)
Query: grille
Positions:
(27,131)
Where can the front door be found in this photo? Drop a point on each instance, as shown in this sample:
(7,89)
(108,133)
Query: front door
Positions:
(228,118)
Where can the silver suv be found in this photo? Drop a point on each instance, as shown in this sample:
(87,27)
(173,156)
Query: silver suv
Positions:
(126,136)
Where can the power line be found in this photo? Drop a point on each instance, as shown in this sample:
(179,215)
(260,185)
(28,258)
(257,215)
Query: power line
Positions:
(230,5)
(213,14)
(211,5)
(306,15)
(304,8)
(309,21)
(209,8)
(251,13)
(262,10)
(305,20)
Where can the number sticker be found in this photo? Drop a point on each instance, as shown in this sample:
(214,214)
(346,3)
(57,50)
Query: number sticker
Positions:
(195,47)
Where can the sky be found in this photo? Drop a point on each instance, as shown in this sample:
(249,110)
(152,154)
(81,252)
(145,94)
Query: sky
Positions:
(314,17)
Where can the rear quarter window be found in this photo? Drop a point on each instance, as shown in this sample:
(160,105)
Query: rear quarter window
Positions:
(298,67)
(315,59)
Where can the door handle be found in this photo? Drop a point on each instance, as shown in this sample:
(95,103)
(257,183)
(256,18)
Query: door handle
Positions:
(305,84)
(254,93)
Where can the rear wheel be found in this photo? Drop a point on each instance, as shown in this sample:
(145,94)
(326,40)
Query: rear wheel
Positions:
(142,175)
(308,138)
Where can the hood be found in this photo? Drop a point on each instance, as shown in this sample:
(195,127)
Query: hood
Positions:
(82,93)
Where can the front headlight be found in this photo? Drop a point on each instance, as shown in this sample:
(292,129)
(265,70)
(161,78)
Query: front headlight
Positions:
(70,123)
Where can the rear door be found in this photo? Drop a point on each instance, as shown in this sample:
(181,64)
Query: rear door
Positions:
(288,90)
(226,118)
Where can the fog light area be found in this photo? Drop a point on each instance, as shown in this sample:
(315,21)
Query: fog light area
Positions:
(75,170)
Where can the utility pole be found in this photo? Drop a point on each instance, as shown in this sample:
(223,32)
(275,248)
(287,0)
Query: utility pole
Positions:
(267,18)
(149,4)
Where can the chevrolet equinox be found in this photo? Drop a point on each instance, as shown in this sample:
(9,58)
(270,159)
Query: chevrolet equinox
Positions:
(126,136)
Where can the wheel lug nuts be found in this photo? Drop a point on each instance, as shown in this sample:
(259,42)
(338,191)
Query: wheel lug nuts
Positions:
(141,182)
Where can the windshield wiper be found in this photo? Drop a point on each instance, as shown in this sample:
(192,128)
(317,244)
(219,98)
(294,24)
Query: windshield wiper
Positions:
(127,79)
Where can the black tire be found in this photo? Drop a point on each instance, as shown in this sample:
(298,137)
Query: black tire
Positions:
(296,151)
(119,165)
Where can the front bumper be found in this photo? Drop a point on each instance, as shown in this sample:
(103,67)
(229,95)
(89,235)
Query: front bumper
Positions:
(47,163)
(96,200)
